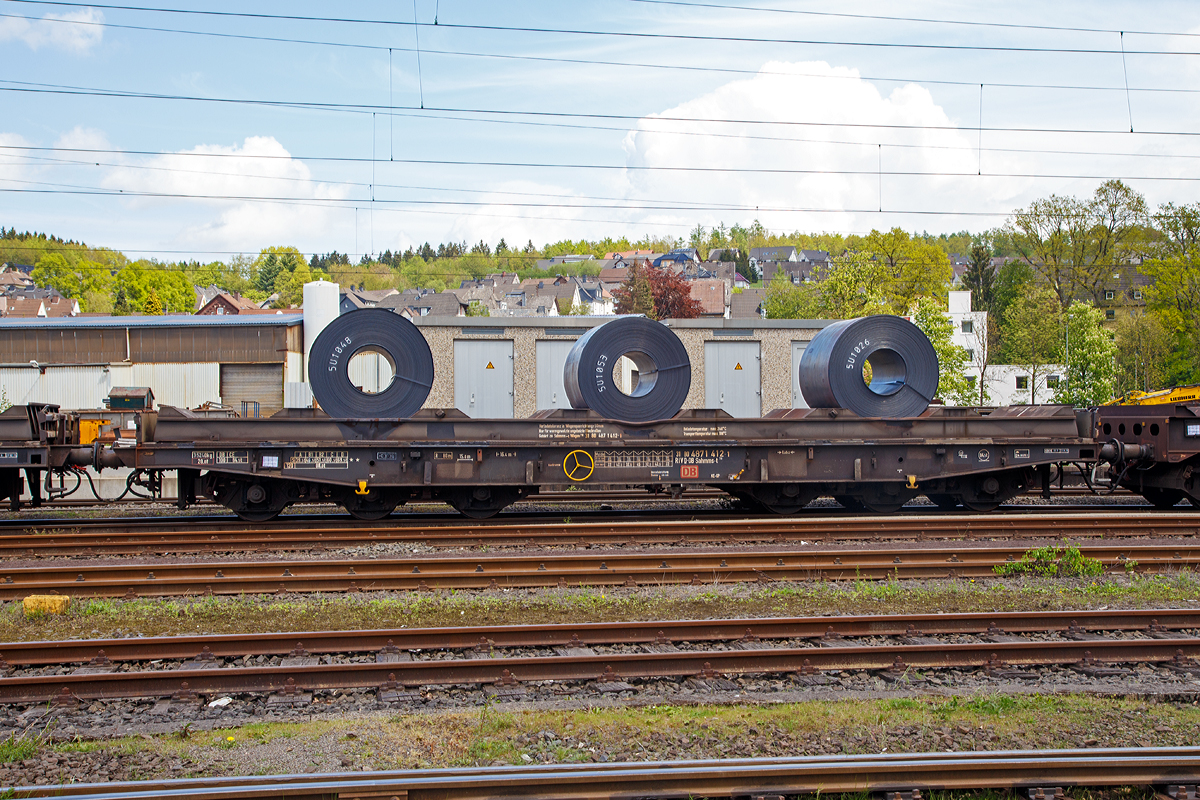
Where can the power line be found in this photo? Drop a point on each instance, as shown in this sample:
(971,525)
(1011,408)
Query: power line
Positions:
(610,34)
(603,62)
(441,162)
(922,20)
(426,114)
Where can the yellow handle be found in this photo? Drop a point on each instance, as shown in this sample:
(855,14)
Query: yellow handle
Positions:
(362,488)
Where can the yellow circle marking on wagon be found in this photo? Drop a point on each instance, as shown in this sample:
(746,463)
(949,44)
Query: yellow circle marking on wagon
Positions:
(578,465)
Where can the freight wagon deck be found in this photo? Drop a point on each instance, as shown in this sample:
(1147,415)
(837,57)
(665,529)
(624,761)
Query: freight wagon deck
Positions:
(258,467)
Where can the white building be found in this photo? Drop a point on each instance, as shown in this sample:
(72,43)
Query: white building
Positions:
(1006,384)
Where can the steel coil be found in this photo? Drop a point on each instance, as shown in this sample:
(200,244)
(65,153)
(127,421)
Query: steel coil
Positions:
(904,368)
(371,330)
(664,370)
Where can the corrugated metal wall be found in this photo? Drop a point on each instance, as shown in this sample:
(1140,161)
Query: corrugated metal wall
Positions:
(184,385)
(262,383)
(246,344)
(370,372)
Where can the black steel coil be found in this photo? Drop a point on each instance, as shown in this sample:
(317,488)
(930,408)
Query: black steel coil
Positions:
(904,367)
(664,370)
(370,330)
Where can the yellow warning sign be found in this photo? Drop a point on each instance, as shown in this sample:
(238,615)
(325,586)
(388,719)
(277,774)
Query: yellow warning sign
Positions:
(739,366)
(489,366)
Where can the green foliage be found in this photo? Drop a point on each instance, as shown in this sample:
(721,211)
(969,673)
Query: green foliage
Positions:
(477,309)
(19,747)
(854,287)
(152,307)
(1032,333)
(271,263)
(953,386)
(635,296)
(1066,562)
(913,267)
(786,300)
(1143,348)
(80,279)
(135,282)
(1090,353)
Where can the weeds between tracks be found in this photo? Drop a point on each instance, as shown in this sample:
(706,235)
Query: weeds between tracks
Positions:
(105,618)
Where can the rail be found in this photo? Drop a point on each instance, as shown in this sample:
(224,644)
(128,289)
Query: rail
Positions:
(728,778)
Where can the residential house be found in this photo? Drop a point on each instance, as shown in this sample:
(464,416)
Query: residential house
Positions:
(429,304)
(713,295)
(759,255)
(565,290)
(226,303)
(597,296)
(35,302)
(748,304)
(353,299)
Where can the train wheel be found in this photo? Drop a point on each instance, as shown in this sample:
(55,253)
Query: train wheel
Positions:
(1162,498)
(482,501)
(376,504)
(256,501)
(946,502)
(786,498)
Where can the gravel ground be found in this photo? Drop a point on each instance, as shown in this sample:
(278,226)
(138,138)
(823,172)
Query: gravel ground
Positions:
(350,731)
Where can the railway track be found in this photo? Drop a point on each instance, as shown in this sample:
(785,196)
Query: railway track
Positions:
(553,568)
(181,535)
(776,777)
(395,661)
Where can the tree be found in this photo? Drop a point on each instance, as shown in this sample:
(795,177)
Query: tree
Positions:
(1143,345)
(1077,245)
(914,268)
(672,295)
(953,386)
(786,300)
(635,295)
(854,287)
(82,279)
(1090,354)
(741,262)
(1013,280)
(1050,236)
(1173,293)
(980,278)
(1033,334)
(153,306)
(273,260)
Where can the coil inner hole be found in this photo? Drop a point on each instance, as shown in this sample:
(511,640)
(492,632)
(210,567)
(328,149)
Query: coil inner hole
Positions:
(371,370)
(885,372)
(635,373)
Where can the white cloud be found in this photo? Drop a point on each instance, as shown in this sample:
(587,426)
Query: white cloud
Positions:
(212,185)
(75,31)
(801,92)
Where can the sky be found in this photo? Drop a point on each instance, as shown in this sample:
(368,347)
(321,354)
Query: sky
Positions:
(171,134)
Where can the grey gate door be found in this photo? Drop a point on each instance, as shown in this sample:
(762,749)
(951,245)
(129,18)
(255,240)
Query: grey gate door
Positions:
(732,378)
(551,360)
(798,349)
(257,386)
(483,378)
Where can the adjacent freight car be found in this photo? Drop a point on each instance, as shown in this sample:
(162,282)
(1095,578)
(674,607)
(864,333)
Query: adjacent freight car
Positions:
(879,449)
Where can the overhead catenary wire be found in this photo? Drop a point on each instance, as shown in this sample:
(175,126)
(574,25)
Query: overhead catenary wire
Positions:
(602,62)
(600,33)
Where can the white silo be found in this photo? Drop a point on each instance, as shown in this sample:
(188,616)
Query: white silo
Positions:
(322,300)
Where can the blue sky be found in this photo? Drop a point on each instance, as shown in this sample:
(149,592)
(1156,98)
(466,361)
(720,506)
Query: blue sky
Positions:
(790,117)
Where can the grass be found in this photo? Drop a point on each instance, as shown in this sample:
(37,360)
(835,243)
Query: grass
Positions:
(1066,561)
(19,748)
(100,618)
(497,735)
